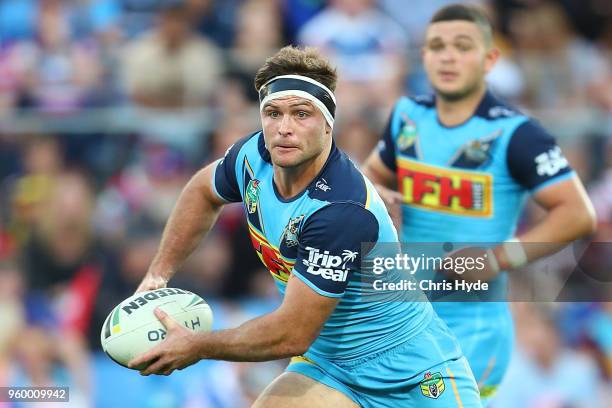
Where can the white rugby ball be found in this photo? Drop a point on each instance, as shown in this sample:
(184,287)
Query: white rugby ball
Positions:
(131,328)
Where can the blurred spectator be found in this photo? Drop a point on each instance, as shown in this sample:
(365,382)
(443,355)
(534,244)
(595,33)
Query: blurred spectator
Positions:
(558,65)
(600,86)
(42,163)
(545,373)
(54,73)
(591,18)
(63,261)
(296,13)
(120,282)
(171,66)
(368,48)
(506,78)
(215,19)
(64,265)
(258,35)
(151,184)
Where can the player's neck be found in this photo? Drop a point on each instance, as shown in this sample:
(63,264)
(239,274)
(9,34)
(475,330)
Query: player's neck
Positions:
(455,112)
(292,181)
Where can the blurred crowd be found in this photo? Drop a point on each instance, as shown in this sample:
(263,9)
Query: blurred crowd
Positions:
(107,107)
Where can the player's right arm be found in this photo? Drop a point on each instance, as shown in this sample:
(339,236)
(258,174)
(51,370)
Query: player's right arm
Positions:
(193,215)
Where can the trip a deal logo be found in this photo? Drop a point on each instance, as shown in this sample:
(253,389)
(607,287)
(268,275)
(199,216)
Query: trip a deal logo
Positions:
(446,190)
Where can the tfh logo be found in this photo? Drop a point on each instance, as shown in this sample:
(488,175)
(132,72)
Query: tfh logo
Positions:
(445,189)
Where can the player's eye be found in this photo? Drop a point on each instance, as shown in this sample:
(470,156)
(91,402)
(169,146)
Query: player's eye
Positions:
(302,114)
(436,46)
(273,114)
(463,46)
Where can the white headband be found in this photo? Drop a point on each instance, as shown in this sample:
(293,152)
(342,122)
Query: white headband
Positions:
(304,87)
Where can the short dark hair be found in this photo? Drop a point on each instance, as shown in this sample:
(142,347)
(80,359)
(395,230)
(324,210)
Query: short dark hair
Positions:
(291,60)
(466,12)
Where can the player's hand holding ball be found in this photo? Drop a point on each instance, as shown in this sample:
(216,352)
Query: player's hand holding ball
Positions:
(174,353)
(154,331)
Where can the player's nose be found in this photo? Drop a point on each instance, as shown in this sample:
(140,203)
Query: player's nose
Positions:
(448,56)
(285,127)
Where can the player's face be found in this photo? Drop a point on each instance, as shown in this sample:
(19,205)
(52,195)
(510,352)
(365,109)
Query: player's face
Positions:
(456,58)
(295,131)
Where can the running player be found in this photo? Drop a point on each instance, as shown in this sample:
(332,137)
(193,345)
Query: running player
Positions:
(463,162)
(309,210)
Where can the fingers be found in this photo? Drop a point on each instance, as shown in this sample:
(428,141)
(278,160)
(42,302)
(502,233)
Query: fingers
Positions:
(159,367)
(151,283)
(165,320)
(145,358)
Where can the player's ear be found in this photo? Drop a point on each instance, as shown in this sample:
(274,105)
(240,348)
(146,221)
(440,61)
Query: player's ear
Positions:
(491,58)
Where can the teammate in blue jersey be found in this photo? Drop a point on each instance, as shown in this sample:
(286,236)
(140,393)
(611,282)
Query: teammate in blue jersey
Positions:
(460,164)
(309,209)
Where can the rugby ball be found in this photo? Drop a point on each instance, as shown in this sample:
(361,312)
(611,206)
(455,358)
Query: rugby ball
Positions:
(131,328)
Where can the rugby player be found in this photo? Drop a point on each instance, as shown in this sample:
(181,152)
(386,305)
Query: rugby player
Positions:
(309,209)
(460,163)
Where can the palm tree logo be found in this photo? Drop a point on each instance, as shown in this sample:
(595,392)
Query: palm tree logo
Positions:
(348,256)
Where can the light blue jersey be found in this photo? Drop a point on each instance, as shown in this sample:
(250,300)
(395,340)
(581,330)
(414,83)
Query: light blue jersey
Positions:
(468,183)
(317,237)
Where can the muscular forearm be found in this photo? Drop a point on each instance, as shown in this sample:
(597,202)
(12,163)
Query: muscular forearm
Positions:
(262,339)
(193,215)
(561,225)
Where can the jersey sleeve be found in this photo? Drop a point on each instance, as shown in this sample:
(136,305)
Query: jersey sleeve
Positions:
(330,246)
(225,181)
(386,146)
(534,159)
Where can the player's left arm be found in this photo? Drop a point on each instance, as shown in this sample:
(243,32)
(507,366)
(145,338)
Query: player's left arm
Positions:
(309,300)
(538,164)
(569,216)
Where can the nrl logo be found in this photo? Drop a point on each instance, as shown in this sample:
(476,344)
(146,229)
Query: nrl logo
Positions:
(252,196)
(407,135)
(291,230)
(432,385)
